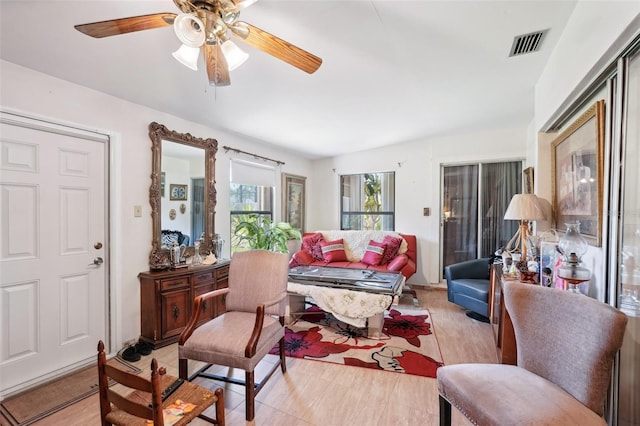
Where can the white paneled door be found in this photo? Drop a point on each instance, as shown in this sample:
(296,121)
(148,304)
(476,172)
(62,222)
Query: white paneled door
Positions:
(53,265)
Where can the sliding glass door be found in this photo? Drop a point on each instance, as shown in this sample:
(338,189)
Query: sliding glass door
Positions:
(460,213)
(474,199)
(625,256)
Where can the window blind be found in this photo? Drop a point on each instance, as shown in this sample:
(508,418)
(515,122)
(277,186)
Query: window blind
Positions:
(249,173)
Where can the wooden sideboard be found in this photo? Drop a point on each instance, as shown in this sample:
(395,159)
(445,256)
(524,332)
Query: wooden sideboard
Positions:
(500,320)
(166,299)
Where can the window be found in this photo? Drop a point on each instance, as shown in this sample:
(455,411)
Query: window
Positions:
(251,193)
(368,201)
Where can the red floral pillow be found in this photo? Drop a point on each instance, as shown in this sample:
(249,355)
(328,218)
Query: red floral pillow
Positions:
(393,245)
(374,253)
(333,251)
(311,243)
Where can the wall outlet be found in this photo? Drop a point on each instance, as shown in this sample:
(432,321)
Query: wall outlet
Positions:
(137,211)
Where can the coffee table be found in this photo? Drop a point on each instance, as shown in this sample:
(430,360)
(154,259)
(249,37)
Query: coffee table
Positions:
(356,296)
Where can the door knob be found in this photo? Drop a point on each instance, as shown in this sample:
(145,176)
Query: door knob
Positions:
(97,245)
(97,261)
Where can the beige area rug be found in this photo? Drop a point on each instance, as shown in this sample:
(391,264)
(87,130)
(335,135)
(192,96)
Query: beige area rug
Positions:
(34,404)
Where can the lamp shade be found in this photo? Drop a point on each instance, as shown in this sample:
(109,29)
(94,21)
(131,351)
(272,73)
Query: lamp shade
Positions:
(233,54)
(187,56)
(524,207)
(189,29)
(573,242)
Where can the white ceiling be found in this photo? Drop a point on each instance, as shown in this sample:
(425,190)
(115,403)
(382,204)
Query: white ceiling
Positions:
(393,71)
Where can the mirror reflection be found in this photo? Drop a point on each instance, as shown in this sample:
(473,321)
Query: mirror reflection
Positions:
(182,194)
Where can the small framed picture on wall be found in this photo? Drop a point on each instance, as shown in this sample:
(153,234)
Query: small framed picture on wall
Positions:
(177,192)
(293,200)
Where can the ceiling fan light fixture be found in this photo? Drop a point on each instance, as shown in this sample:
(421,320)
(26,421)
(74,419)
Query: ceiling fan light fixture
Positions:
(233,54)
(189,29)
(187,56)
(243,4)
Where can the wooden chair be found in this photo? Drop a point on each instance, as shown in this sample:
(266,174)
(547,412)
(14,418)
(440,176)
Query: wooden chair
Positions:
(127,412)
(566,345)
(251,326)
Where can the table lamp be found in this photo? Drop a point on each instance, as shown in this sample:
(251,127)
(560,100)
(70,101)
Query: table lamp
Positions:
(525,208)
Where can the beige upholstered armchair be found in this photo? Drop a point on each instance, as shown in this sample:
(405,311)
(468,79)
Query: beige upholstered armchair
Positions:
(566,346)
(251,326)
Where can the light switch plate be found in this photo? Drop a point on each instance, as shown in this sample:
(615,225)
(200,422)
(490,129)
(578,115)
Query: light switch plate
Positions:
(137,211)
(426,211)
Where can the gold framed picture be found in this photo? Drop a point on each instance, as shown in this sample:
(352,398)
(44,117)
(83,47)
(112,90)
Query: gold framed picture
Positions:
(577,157)
(293,200)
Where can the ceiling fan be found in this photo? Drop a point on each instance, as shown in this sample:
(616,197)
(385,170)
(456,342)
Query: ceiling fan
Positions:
(205,25)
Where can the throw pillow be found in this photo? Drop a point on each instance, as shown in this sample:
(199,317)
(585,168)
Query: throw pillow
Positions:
(311,244)
(393,245)
(374,253)
(333,251)
(168,238)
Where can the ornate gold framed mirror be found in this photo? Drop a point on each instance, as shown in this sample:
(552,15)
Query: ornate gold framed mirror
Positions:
(182,180)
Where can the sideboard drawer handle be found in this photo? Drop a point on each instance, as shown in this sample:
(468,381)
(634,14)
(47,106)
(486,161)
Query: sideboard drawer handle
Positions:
(176,312)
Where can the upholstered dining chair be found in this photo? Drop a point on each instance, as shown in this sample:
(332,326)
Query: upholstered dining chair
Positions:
(131,407)
(251,326)
(566,345)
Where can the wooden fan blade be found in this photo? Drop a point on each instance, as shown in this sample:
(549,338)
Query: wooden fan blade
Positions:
(277,47)
(217,68)
(242,4)
(126,25)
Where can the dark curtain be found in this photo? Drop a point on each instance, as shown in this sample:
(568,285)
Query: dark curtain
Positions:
(197,209)
(500,182)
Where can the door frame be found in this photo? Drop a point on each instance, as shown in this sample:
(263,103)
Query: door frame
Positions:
(113,267)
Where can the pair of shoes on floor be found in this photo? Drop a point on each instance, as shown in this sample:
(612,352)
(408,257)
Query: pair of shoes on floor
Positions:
(133,353)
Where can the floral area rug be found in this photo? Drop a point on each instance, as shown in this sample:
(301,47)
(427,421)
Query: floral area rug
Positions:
(408,344)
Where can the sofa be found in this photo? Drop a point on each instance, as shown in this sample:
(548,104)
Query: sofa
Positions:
(468,286)
(362,250)
(169,237)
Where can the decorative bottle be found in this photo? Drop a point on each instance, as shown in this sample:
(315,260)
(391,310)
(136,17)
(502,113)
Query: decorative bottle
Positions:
(197,259)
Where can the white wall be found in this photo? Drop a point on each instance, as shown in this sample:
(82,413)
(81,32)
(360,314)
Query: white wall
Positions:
(38,94)
(591,30)
(417,167)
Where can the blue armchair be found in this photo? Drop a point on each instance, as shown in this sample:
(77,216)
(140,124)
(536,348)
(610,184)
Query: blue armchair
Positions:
(468,286)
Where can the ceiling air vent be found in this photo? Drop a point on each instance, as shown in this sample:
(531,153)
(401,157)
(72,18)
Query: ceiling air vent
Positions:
(527,43)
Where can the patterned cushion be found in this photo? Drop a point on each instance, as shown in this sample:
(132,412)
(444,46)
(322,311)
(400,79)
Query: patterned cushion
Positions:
(168,238)
(393,245)
(374,253)
(333,251)
(311,244)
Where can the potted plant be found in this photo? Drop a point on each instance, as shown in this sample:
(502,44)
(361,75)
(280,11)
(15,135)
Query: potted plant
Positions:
(262,233)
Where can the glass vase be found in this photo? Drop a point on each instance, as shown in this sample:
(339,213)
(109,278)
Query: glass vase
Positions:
(197,259)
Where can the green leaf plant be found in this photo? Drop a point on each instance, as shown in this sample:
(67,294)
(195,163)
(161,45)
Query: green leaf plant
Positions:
(260,232)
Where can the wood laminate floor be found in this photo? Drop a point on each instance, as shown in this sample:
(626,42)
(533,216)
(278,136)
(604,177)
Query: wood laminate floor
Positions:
(319,393)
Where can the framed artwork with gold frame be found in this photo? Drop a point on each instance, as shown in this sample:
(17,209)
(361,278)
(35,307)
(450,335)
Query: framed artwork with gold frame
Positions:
(293,200)
(577,164)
